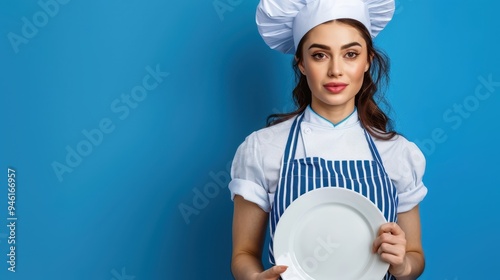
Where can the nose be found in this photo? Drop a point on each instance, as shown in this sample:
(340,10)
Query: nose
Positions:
(335,68)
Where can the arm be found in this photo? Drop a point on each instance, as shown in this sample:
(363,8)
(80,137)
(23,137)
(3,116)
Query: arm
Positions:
(249,226)
(400,245)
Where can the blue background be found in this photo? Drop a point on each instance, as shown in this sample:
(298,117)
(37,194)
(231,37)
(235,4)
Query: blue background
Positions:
(117,214)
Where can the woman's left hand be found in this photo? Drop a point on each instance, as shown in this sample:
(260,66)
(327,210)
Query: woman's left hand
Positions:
(390,244)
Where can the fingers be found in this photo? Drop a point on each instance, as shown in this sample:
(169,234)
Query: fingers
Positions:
(391,245)
(392,228)
(273,273)
(389,239)
(391,234)
(393,254)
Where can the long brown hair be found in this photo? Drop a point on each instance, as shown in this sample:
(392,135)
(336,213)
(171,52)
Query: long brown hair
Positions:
(372,117)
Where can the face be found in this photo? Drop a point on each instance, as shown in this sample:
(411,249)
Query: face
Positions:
(335,58)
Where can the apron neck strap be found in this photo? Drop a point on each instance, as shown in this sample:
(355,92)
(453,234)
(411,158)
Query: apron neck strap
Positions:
(373,149)
(293,137)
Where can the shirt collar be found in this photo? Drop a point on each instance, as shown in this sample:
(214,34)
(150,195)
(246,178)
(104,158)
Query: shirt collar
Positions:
(314,118)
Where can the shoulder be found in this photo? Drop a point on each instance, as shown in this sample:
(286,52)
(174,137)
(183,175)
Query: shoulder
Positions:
(405,164)
(270,137)
(263,146)
(399,146)
(256,165)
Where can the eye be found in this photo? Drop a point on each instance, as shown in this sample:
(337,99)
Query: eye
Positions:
(351,54)
(319,56)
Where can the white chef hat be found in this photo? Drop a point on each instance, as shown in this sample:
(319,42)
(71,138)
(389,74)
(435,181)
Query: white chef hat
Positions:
(283,23)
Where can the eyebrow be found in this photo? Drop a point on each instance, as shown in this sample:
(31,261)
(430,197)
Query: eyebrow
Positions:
(325,47)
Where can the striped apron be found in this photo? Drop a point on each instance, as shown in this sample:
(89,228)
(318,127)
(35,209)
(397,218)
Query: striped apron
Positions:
(298,176)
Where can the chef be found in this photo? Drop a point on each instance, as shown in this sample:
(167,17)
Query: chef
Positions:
(337,137)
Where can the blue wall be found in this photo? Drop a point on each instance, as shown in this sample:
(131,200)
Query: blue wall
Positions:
(117,115)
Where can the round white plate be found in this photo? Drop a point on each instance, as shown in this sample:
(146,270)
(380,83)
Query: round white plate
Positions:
(328,233)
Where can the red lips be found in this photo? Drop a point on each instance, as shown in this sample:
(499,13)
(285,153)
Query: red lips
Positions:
(335,87)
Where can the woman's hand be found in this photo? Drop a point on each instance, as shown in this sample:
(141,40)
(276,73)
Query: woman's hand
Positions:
(390,244)
(272,273)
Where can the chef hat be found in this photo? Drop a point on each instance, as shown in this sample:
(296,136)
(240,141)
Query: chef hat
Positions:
(283,23)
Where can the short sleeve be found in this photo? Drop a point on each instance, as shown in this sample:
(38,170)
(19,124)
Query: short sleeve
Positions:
(408,171)
(247,174)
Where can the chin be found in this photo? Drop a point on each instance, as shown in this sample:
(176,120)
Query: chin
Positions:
(334,102)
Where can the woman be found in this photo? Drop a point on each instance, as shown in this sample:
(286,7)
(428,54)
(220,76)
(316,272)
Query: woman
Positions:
(337,121)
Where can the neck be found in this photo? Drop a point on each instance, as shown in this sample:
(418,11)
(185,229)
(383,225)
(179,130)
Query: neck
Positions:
(335,114)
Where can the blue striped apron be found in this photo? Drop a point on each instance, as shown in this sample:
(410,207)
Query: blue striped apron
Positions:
(298,176)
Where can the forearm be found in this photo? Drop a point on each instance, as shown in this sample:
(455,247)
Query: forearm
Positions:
(414,266)
(245,266)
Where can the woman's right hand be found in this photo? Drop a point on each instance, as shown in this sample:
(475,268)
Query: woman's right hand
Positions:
(272,273)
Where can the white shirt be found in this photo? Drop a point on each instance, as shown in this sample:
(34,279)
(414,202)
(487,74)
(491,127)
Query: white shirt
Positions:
(256,166)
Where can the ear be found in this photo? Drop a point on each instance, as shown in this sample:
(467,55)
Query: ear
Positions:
(369,63)
(301,66)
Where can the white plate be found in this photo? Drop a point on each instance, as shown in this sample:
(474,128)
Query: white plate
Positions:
(328,233)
